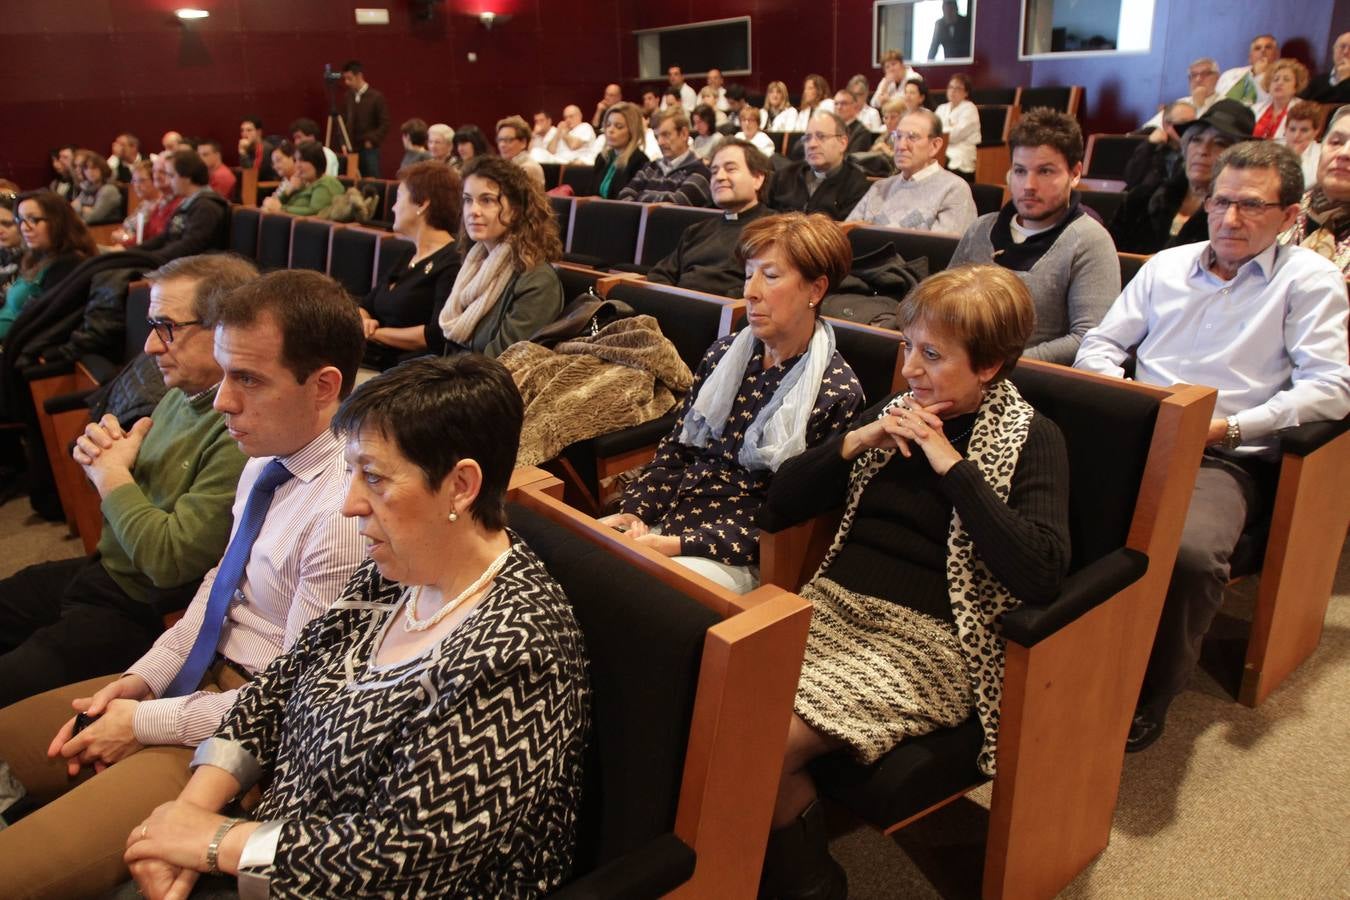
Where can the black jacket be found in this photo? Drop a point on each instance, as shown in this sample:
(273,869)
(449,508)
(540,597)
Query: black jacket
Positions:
(621,177)
(836,196)
(201,223)
(860,140)
(1143,224)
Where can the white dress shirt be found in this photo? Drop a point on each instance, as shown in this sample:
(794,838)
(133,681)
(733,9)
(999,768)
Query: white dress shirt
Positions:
(961,127)
(885,90)
(303,557)
(565,154)
(1272,341)
(760,140)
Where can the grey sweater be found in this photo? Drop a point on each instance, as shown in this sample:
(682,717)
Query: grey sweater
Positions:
(1073,284)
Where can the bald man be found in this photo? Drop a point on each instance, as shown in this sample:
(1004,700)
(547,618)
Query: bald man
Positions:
(574,140)
(613,94)
(170,141)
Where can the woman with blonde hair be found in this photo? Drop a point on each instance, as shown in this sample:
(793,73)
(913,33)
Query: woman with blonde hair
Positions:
(777,103)
(956,511)
(506,289)
(622,156)
(1283,81)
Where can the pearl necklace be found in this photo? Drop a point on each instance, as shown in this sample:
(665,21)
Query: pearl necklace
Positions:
(413,594)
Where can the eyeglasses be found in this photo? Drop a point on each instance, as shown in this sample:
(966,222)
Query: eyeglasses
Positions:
(1202,74)
(1248,207)
(912,136)
(819,137)
(163,328)
(31,221)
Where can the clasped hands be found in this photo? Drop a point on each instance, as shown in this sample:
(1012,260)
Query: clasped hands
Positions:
(107,452)
(635,528)
(908,422)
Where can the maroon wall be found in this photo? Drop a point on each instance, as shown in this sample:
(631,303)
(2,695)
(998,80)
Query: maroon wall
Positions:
(78,71)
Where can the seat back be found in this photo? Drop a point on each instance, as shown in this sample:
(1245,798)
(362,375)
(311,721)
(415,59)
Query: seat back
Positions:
(576,280)
(581,179)
(1104,475)
(1109,154)
(665,224)
(994,124)
(393,249)
(1104,202)
(274,241)
(552,174)
(137,319)
(937,248)
(779,139)
(871,353)
(640,723)
(691,320)
(1130,264)
(1057,98)
(309,244)
(562,214)
(993,96)
(237,192)
(351,259)
(244,223)
(378,189)
(988,197)
(605,232)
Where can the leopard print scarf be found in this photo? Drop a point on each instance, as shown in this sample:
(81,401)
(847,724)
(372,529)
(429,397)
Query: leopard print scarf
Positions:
(979,601)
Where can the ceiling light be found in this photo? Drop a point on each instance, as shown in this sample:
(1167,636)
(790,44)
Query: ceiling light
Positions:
(188,13)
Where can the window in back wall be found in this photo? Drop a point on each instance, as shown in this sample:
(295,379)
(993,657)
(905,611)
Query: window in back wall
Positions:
(697,47)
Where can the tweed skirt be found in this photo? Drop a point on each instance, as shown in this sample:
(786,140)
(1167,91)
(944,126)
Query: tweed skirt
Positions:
(876,672)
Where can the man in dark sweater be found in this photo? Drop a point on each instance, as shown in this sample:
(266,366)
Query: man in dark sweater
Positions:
(1333,86)
(860,139)
(705,259)
(825,181)
(201,222)
(679,176)
(367,118)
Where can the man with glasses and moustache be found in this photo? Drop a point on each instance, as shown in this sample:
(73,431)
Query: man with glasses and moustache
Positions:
(1264,324)
(923,196)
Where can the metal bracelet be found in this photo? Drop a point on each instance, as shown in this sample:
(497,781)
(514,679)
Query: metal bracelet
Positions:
(213,848)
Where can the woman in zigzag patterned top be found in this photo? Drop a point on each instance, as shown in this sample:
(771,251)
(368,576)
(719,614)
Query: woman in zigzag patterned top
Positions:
(425,736)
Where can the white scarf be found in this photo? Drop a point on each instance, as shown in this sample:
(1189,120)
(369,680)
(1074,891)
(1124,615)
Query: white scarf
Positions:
(480,283)
(778,432)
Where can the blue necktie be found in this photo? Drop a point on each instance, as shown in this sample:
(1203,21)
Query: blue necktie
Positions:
(228,577)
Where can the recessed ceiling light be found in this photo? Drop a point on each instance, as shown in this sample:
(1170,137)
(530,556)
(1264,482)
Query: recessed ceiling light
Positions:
(188,13)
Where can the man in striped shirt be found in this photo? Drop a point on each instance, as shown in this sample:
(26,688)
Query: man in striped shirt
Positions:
(289,345)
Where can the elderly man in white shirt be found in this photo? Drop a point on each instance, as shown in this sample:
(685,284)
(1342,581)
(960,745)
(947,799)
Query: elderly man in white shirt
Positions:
(923,196)
(574,138)
(1265,325)
(1243,83)
(1203,75)
(894,75)
(288,559)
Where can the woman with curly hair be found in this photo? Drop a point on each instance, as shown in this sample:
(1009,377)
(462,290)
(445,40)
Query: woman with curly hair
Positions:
(506,289)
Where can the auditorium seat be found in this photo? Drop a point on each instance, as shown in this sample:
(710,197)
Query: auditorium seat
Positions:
(580,178)
(605,232)
(1108,154)
(392,247)
(1105,203)
(562,214)
(993,96)
(692,691)
(310,244)
(1130,264)
(780,139)
(274,241)
(1062,99)
(244,224)
(552,175)
(988,197)
(351,258)
(874,356)
(937,248)
(665,225)
(992,154)
(1073,668)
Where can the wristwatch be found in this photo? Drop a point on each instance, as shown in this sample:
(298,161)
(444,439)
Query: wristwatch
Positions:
(1233,436)
(213,848)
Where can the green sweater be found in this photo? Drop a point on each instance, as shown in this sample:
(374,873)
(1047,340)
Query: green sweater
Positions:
(170,527)
(313,199)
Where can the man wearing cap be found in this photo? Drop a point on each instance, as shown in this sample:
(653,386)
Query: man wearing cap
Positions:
(1265,325)
(1170,213)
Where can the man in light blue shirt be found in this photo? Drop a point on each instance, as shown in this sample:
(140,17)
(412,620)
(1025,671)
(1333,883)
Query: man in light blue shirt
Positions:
(1265,325)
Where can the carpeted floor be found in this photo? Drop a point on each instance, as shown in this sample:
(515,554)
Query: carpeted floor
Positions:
(1231,802)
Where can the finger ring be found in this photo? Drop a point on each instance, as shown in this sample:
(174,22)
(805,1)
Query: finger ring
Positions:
(144,828)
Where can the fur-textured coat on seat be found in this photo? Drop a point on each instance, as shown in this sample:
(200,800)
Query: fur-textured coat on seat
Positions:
(626,374)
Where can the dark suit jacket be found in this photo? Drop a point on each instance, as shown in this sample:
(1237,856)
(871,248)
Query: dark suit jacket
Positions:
(860,140)
(1320,90)
(836,196)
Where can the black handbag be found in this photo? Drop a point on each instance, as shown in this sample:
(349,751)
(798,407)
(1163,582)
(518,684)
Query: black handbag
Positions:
(583,317)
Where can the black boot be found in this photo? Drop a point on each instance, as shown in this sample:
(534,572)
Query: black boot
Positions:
(797,862)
